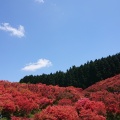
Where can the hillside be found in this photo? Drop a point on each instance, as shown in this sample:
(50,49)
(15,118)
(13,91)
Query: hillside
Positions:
(100,101)
(107,91)
(110,84)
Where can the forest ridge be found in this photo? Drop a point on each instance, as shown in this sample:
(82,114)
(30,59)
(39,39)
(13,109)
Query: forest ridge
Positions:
(82,76)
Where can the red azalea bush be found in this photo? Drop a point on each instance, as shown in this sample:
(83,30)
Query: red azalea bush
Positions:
(57,113)
(7,105)
(90,109)
(14,101)
(25,105)
(112,101)
(44,102)
(20,118)
(65,101)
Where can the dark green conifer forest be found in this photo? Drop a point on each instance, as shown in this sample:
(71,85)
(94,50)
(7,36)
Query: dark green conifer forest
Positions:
(82,76)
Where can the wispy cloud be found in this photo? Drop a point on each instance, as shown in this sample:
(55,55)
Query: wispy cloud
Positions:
(41,63)
(19,32)
(39,1)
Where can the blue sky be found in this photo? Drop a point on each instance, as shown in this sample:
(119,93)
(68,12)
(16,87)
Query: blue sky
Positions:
(44,36)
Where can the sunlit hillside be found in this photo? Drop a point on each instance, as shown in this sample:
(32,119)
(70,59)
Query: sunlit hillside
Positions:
(20,101)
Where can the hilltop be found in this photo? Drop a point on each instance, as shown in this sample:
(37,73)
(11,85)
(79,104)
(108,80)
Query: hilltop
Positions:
(82,76)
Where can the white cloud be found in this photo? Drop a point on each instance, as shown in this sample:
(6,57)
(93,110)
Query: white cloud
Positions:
(41,63)
(40,1)
(19,32)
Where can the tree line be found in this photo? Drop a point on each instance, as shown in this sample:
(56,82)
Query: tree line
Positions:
(83,76)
